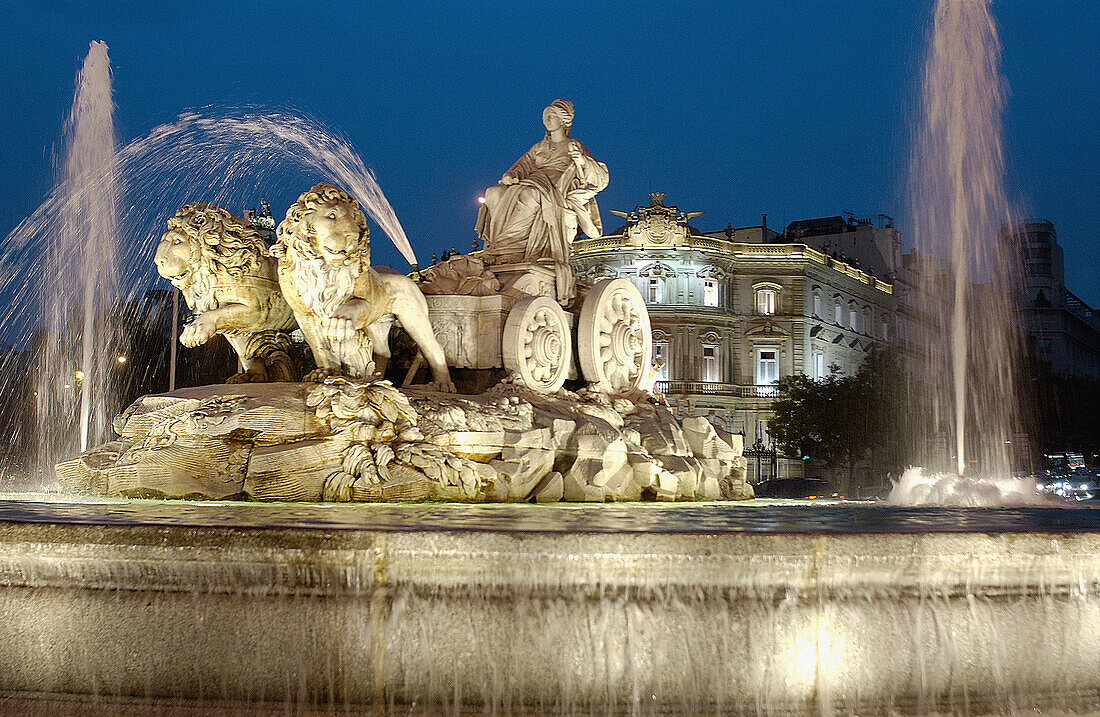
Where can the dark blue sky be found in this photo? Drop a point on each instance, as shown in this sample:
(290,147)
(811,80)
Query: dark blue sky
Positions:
(796,109)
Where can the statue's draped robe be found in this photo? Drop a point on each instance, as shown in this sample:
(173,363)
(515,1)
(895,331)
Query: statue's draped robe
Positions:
(537,217)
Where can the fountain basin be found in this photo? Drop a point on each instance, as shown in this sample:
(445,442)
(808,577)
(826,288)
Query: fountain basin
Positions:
(670,608)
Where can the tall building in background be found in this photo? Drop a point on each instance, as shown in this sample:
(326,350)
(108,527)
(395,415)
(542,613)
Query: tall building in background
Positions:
(734,310)
(1061,329)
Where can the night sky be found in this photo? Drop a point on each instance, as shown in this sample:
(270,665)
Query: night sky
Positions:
(795,109)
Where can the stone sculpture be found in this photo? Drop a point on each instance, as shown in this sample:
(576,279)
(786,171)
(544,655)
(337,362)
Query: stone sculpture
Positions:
(534,212)
(221,265)
(366,441)
(346,434)
(345,308)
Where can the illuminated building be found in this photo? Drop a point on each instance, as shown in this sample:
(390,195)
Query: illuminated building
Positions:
(732,311)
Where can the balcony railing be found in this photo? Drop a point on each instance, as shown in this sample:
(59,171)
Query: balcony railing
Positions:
(714,388)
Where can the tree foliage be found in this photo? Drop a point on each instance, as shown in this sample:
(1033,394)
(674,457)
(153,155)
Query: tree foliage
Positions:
(842,420)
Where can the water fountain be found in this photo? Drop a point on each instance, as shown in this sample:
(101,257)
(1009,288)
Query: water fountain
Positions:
(957,210)
(640,608)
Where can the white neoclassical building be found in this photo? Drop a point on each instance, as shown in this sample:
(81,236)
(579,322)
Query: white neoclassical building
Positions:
(732,311)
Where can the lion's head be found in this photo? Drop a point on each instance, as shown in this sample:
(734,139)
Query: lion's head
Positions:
(204,242)
(324,223)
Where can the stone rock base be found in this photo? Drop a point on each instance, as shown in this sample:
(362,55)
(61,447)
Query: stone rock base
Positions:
(367,441)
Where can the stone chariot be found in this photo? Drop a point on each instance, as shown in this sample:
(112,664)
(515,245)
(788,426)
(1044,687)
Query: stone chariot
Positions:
(539,344)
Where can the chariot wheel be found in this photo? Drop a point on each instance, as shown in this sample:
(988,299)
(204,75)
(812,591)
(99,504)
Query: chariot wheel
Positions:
(614,341)
(536,346)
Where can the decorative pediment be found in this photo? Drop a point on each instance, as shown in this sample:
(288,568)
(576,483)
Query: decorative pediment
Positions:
(712,272)
(710,338)
(600,271)
(658,269)
(660,335)
(764,328)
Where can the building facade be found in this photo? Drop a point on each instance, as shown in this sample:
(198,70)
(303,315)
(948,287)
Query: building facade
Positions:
(1061,329)
(732,311)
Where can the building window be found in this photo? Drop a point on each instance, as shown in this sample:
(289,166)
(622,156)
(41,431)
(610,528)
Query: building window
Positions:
(838,312)
(853,319)
(710,364)
(884,332)
(710,292)
(818,366)
(766,301)
(655,290)
(660,358)
(767,367)
(817,306)
(762,436)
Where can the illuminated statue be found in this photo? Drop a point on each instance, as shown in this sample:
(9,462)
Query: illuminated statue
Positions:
(542,200)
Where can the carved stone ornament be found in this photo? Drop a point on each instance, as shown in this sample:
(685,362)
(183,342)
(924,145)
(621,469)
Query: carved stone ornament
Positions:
(350,440)
(600,271)
(536,209)
(657,269)
(614,339)
(221,266)
(345,308)
(536,346)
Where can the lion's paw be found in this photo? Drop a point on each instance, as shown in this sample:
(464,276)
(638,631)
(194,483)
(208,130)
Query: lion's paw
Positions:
(443,386)
(257,374)
(318,375)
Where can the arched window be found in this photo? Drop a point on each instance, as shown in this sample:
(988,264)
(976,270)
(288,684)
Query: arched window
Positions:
(838,310)
(817,305)
(766,301)
(853,317)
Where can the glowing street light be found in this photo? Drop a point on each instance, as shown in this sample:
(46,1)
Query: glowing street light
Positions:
(122,359)
(481,200)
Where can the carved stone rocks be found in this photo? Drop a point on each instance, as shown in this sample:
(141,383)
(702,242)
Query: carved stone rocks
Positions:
(351,440)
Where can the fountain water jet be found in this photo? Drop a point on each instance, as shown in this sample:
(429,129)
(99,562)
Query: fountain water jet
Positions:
(957,209)
(221,155)
(82,273)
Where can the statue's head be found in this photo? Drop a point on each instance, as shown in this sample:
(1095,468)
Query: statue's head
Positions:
(558,113)
(325,222)
(204,241)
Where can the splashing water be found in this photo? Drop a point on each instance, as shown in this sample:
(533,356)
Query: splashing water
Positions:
(948,489)
(79,282)
(222,156)
(969,273)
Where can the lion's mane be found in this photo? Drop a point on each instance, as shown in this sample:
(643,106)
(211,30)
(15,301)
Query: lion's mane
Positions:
(322,287)
(220,244)
(295,233)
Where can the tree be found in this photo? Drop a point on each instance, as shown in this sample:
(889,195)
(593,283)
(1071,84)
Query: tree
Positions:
(843,420)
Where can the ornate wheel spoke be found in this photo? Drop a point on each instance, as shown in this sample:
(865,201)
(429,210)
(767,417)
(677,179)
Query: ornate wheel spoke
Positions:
(613,337)
(536,345)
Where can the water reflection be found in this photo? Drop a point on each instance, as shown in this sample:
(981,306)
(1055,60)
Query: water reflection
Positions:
(757,516)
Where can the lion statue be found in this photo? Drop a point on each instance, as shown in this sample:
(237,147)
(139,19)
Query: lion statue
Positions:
(222,266)
(344,307)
